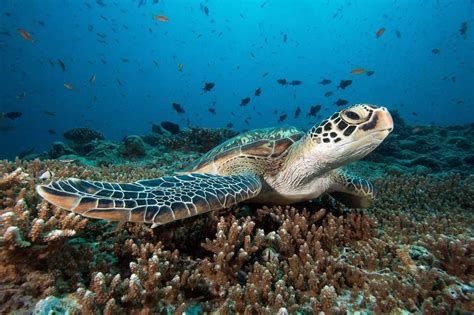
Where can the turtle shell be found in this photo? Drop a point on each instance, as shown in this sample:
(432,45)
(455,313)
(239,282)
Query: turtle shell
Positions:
(264,143)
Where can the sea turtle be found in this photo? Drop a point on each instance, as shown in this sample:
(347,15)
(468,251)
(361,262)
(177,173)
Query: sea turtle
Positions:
(280,165)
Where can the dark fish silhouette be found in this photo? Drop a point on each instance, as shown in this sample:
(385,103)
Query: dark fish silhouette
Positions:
(178,108)
(245,101)
(370,73)
(258,92)
(344,83)
(325,82)
(171,127)
(297,112)
(62,65)
(282,81)
(341,102)
(230,125)
(463,29)
(296,82)
(13,115)
(156,129)
(327,94)
(399,35)
(51,132)
(285,38)
(282,118)
(212,110)
(313,111)
(435,51)
(208,86)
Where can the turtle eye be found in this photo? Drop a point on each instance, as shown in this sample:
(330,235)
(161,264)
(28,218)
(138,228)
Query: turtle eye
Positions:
(352,115)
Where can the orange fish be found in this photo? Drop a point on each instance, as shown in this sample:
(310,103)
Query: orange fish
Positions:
(161,18)
(358,71)
(69,86)
(25,35)
(380,32)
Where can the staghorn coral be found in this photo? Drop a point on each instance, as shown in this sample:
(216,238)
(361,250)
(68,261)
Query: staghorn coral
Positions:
(411,252)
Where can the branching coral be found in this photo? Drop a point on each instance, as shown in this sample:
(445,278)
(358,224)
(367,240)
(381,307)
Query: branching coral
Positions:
(411,251)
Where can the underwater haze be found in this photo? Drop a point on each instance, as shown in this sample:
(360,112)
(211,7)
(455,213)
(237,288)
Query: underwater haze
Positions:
(119,66)
(140,173)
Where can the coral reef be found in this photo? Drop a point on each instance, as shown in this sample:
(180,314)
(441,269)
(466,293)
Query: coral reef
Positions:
(412,251)
(427,149)
(82,135)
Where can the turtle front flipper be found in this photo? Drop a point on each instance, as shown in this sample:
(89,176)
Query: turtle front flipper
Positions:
(352,191)
(157,201)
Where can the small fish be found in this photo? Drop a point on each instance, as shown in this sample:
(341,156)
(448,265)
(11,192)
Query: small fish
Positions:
(92,79)
(21,95)
(327,94)
(67,161)
(341,102)
(463,29)
(25,35)
(282,117)
(370,73)
(52,132)
(46,175)
(13,115)
(161,18)
(358,71)
(296,82)
(178,108)
(344,83)
(282,81)
(325,82)
(229,125)
(380,32)
(62,65)
(297,112)
(68,86)
(285,38)
(265,74)
(211,110)
(435,51)
(171,127)
(208,86)
(258,92)
(119,82)
(313,111)
(48,113)
(180,67)
(245,101)
(398,34)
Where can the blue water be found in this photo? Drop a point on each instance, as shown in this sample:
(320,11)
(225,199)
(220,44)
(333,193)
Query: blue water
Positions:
(233,46)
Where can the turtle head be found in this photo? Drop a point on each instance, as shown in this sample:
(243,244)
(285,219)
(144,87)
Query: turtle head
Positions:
(351,133)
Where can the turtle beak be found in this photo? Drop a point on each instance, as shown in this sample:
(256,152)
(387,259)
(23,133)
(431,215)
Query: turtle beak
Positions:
(380,124)
(384,120)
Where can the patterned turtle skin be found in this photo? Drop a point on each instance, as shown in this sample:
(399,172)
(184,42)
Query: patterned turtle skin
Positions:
(279,165)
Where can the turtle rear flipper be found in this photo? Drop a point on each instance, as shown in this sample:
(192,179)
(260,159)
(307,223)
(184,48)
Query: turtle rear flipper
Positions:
(352,191)
(156,201)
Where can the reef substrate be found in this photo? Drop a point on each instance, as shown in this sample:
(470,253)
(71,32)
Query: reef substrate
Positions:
(412,251)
